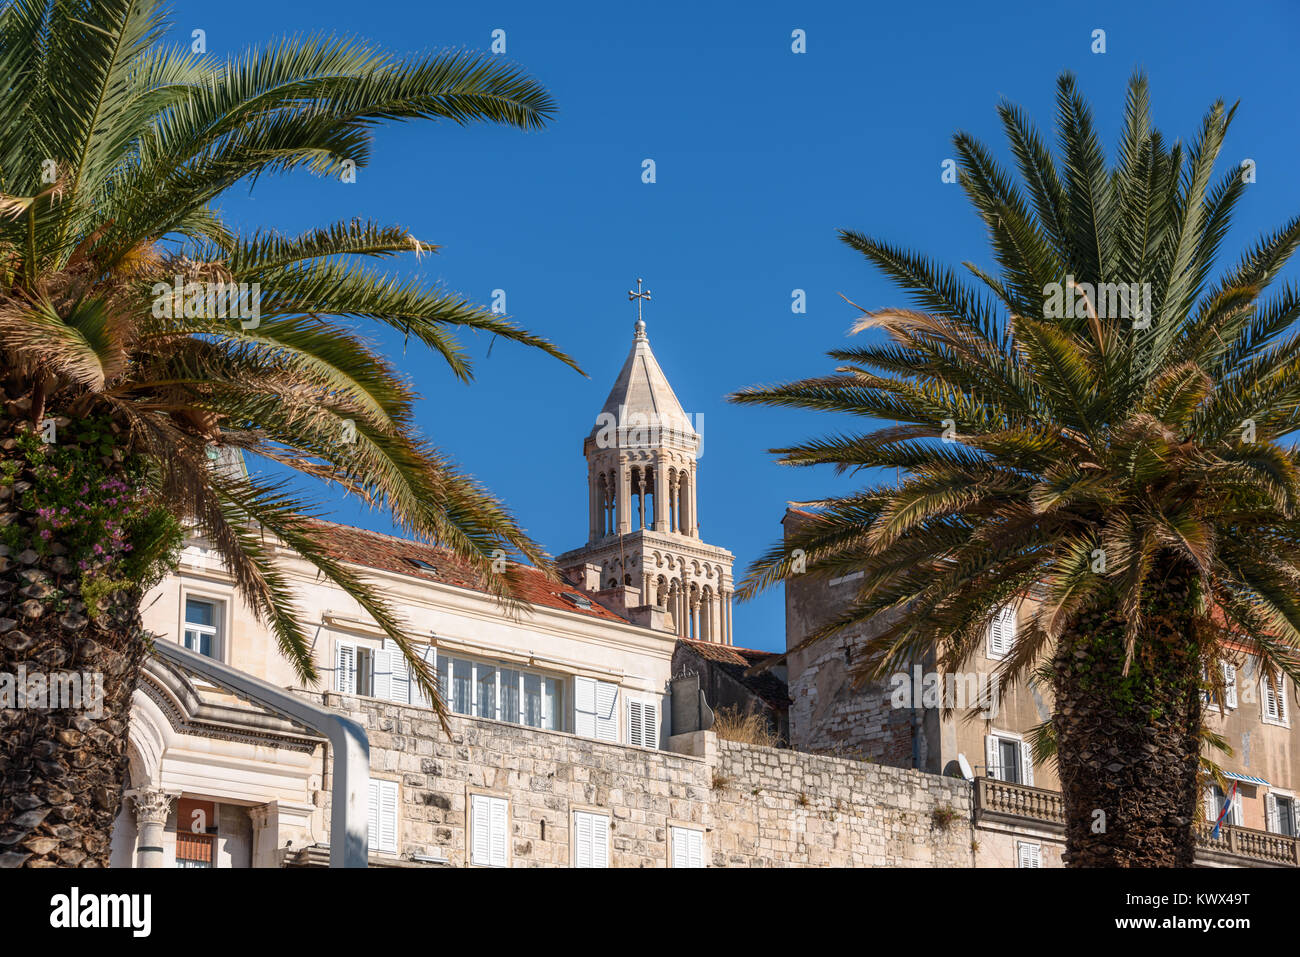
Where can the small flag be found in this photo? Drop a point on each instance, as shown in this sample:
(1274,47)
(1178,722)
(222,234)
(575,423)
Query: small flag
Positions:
(1227,805)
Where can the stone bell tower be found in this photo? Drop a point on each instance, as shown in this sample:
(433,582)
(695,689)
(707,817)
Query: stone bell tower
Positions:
(644,555)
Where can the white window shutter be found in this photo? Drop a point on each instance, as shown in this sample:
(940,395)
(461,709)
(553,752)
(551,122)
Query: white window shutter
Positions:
(1027,763)
(650,730)
(1002,632)
(688,847)
(582,832)
(590,839)
(697,848)
(1281,697)
(345,668)
(1229,683)
(372,819)
(600,841)
(606,711)
(382,671)
(635,723)
(1270,697)
(991,757)
(500,832)
(1236,816)
(482,829)
(1270,813)
(387,815)
(399,685)
(1030,855)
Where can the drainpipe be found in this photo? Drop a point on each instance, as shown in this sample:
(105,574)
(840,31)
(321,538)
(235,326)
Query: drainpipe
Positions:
(351,785)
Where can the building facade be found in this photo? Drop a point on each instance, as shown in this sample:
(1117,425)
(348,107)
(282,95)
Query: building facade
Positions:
(991,745)
(561,748)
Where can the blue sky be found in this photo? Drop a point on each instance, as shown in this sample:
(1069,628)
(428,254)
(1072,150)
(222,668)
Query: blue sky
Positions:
(761,154)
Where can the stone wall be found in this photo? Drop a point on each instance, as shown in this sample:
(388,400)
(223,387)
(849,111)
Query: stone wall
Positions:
(780,808)
(758,806)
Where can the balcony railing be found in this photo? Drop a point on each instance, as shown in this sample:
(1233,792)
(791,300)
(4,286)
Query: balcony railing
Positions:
(1019,800)
(1002,799)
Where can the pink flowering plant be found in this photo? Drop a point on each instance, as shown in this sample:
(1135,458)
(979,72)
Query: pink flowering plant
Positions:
(88,503)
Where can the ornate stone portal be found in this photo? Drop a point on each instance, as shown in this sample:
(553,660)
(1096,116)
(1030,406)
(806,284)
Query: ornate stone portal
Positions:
(644,555)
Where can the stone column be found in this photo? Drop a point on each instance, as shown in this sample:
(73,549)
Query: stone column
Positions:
(624,498)
(677,524)
(593,505)
(640,497)
(152,806)
(661,494)
(692,510)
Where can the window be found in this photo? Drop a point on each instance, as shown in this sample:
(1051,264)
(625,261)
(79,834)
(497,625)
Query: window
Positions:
(382,824)
(1009,758)
(1214,804)
(1210,696)
(486,690)
(1280,813)
(643,724)
(510,681)
(1002,632)
(485,694)
(1273,698)
(354,668)
(203,626)
(1028,854)
(687,847)
(488,829)
(365,671)
(594,711)
(590,839)
(345,667)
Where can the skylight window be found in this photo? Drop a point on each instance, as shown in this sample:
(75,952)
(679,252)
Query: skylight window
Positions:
(578,600)
(421,564)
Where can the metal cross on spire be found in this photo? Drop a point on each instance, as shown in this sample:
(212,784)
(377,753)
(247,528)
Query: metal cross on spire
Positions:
(640,297)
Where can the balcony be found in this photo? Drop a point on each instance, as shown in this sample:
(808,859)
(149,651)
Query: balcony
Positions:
(1009,804)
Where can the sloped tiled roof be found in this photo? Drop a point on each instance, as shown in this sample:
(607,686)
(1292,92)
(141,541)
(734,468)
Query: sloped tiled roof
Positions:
(737,661)
(642,389)
(389,553)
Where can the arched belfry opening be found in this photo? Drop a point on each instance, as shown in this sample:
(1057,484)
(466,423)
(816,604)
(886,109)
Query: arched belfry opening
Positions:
(643,478)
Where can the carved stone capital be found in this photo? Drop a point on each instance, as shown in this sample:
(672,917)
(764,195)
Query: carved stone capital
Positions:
(152,805)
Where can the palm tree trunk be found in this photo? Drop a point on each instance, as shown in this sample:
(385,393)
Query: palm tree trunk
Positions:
(1128,746)
(62,768)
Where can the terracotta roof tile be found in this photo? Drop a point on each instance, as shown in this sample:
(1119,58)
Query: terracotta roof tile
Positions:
(737,661)
(435,563)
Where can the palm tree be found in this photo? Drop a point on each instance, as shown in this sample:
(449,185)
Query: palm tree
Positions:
(145,342)
(1114,449)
